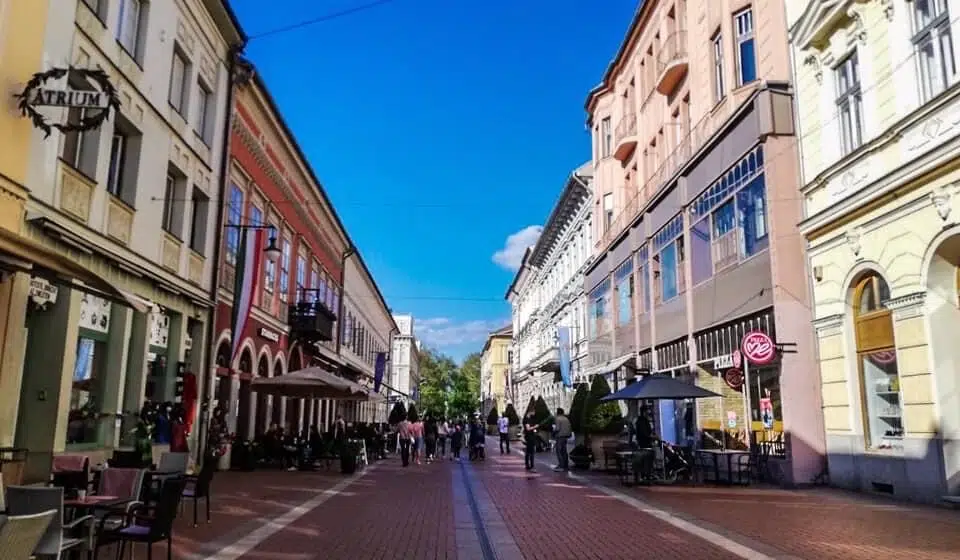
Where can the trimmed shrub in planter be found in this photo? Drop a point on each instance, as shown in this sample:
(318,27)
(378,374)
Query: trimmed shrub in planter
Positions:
(513,421)
(602,420)
(412,414)
(576,411)
(492,420)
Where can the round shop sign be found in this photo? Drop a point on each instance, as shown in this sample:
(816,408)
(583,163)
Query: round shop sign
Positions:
(734,378)
(883,358)
(737,359)
(758,348)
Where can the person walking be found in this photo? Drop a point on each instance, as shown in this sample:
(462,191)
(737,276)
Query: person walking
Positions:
(443,430)
(456,442)
(529,440)
(562,430)
(503,426)
(430,438)
(405,436)
(417,428)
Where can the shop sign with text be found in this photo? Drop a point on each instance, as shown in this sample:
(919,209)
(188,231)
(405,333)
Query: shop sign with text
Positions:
(269,335)
(52,89)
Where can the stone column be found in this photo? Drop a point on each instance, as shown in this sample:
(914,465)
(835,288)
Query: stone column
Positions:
(49,361)
(14,294)
(135,380)
(115,373)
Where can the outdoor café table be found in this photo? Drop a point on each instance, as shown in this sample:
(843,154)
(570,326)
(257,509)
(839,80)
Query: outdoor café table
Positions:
(79,506)
(624,464)
(717,456)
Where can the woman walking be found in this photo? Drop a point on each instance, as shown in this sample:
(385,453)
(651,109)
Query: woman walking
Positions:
(456,442)
(442,431)
(529,440)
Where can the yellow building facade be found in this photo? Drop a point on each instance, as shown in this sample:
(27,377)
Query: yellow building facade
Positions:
(879,124)
(495,370)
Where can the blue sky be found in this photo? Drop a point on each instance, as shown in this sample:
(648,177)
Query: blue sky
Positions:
(439,129)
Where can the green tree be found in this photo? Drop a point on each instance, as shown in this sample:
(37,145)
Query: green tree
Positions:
(397,414)
(436,376)
(465,387)
(601,417)
(493,416)
(577,408)
(511,414)
(412,414)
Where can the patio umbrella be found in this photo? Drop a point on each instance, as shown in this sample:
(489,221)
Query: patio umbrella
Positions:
(654,387)
(312,383)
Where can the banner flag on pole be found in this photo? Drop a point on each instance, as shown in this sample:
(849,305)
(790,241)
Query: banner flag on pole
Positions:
(378,369)
(249,254)
(563,340)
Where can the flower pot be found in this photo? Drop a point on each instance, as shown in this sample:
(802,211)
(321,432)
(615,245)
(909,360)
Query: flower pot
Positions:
(581,462)
(348,463)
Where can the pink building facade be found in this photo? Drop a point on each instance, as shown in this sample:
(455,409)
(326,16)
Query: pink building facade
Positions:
(696,205)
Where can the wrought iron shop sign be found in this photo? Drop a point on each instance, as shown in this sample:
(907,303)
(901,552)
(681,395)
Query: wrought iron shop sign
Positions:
(96,103)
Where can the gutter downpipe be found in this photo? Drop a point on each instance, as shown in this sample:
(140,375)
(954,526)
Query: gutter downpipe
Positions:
(205,410)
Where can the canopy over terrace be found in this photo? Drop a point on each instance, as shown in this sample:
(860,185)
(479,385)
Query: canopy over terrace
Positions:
(312,383)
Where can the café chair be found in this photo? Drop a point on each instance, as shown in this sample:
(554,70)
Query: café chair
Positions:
(148,525)
(198,488)
(19,534)
(59,537)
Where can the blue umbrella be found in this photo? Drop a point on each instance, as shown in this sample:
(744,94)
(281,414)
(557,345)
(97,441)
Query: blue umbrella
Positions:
(654,387)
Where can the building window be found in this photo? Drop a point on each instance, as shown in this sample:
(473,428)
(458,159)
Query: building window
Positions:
(623,276)
(729,219)
(877,361)
(234,217)
(643,269)
(204,98)
(599,319)
(98,7)
(719,88)
(169,199)
(301,277)
(849,103)
(746,50)
(198,221)
(179,75)
(118,154)
(934,45)
(128,30)
(668,260)
(315,295)
(80,148)
(606,137)
(284,269)
(123,169)
(607,211)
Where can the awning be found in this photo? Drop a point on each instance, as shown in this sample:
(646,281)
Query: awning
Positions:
(312,382)
(26,255)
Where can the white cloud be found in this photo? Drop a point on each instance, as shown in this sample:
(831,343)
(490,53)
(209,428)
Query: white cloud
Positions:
(440,332)
(511,256)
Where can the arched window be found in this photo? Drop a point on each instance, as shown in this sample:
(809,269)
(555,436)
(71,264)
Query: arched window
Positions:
(877,362)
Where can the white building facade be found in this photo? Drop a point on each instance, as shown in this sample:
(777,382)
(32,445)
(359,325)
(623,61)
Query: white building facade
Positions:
(547,292)
(404,361)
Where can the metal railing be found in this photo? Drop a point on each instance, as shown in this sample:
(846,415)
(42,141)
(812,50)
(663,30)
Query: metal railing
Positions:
(688,146)
(673,49)
(625,128)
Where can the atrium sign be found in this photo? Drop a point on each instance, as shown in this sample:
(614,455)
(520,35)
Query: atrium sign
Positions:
(95,104)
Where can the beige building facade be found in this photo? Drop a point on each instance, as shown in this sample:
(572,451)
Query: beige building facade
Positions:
(128,201)
(695,213)
(879,109)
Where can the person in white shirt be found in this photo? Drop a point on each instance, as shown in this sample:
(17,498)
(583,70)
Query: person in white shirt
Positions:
(503,426)
(442,432)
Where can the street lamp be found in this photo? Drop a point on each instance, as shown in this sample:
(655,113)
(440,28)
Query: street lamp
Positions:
(272,250)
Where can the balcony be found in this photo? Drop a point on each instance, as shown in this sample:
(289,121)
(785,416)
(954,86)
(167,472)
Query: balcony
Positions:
(311,321)
(625,137)
(672,63)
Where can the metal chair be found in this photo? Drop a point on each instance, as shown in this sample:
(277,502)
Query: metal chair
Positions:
(19,534)
(59,536)
(198,488)
(148,525)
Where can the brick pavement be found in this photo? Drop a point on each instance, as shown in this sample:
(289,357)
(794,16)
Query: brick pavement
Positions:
(391,512)
(554,517)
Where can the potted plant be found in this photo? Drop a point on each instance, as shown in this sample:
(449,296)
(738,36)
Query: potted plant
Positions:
(602,421)
(492,419)
(397,414)
(513,421)
(244,455)
(348,458)
(581,456)
(576,412)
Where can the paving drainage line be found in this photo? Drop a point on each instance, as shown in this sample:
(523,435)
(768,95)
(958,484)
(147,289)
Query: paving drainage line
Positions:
(485,546)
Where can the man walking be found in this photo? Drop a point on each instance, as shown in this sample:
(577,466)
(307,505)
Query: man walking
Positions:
(530,438)
(561,433)
(405,435)
(503,426)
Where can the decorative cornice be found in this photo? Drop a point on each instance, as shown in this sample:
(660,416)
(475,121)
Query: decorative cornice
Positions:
(908,306)
(828,326)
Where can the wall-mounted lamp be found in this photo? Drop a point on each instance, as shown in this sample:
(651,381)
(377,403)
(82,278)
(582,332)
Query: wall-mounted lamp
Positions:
(271,251)
(818,273)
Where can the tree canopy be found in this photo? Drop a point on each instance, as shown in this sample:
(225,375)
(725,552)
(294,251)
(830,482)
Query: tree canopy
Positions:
(447,389)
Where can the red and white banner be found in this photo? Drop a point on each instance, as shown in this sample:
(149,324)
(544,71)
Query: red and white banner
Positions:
(249,255)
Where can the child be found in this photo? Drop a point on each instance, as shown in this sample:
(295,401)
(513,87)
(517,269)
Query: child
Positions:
(456,442)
